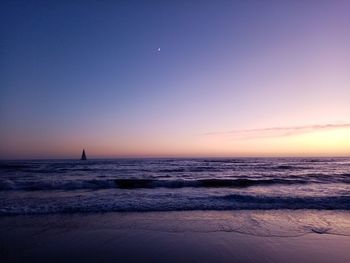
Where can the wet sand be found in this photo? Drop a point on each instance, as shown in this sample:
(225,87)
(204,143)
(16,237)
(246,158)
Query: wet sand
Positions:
(193,236)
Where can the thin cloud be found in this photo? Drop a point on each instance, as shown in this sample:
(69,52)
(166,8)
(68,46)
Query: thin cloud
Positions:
(282,131)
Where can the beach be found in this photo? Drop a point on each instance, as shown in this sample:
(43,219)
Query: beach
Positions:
(192,236)
(175,210)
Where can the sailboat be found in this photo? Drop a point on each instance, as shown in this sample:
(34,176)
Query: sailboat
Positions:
(83,155)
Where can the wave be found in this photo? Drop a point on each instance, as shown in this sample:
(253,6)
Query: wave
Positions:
(180,203)
(142,183)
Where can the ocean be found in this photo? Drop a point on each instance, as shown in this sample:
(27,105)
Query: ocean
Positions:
(140,185)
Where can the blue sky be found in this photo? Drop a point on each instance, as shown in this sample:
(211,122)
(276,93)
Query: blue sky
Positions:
(89,74)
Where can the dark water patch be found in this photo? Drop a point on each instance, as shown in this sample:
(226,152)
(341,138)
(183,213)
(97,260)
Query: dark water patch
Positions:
(17,166)
(245,182)
(134,183)
(286,167)
(172,170)
(311,160)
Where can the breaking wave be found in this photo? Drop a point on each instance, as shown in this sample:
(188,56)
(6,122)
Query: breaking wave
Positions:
(181,203)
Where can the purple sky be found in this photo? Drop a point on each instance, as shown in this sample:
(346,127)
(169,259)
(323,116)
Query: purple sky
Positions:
(89,74)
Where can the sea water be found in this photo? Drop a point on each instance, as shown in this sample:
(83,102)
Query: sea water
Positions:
(69,186)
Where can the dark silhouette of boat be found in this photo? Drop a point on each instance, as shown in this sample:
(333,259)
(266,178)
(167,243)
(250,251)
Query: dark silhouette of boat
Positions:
(83,155)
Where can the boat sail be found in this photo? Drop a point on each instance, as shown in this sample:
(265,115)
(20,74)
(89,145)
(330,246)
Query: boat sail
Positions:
(83,155)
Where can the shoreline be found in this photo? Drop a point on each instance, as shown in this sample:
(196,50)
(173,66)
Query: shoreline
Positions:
(186,236)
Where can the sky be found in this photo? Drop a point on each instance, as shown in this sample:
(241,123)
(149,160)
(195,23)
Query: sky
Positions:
(174,78)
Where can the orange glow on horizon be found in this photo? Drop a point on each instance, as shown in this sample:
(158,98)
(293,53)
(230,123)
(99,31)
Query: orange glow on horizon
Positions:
(333,142)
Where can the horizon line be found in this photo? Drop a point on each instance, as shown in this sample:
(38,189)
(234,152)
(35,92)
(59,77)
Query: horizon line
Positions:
(181,157)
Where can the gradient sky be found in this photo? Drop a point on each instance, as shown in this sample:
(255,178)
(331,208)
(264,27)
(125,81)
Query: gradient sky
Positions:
(231,78)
